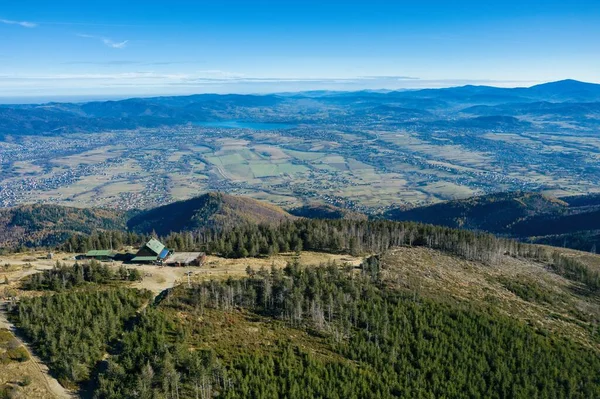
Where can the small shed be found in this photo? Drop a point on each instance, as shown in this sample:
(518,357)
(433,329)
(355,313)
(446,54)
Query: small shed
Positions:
(186,259)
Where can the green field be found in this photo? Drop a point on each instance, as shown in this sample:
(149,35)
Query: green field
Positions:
(264,169)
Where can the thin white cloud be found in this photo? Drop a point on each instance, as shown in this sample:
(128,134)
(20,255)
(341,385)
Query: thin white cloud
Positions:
(107,42)
(219,74)
(112,44)
(24,24)
(225,77)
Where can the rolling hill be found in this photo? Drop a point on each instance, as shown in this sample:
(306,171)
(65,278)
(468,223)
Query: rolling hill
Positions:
(326,211)
(208,211)
(572,222)
(49,225)
(494,213)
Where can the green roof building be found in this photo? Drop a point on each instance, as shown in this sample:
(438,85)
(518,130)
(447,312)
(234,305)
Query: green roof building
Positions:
(101,254)
(153,251)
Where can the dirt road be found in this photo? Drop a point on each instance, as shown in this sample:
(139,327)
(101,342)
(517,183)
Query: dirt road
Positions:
(52,385)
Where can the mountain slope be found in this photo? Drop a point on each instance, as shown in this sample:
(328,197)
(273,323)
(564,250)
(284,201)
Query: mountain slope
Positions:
(567,90)
(413,323)
(493,213)
(572,222)
(48,225)
(209,211)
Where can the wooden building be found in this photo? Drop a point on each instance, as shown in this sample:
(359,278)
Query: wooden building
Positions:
(186,259)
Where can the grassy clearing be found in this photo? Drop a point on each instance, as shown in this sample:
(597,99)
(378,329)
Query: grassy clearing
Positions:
(291,169)
(218,268)
(232,159)
(240,171)
(241,332)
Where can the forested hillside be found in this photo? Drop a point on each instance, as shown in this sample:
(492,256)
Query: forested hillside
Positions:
(358,237)
(72,331)
(325,211)
(495,213)
(572,222)
(48,225)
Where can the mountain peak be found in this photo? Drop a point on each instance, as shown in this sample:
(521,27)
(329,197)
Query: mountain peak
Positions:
(209,211)
(567,84)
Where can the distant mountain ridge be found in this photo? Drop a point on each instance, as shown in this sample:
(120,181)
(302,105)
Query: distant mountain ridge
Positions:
(35,119)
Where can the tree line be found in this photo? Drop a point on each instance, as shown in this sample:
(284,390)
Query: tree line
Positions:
(63,277)
(384,342)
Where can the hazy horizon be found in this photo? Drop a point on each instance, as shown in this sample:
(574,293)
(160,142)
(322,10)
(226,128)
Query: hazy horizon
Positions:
(37,99)
(265,86)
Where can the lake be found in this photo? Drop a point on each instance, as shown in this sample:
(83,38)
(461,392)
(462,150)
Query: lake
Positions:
(245,125)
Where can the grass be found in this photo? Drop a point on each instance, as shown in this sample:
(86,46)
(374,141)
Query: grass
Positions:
(291,169)
(305,156)
(232,159)
(11,349)
(214,160)
(222,268)
(241,171)
(241,332)
(263,169)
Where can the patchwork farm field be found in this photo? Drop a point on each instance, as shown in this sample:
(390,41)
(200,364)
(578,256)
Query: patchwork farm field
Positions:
(367,164)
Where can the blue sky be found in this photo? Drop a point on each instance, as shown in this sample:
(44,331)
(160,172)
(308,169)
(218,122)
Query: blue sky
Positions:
(121,48)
